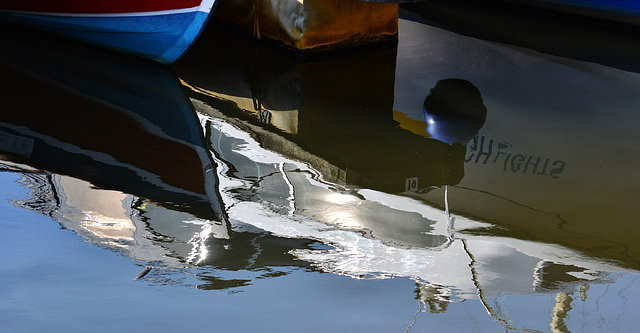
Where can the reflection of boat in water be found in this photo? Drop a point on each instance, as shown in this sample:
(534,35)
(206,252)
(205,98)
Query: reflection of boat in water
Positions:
(372,235)
(158,30)
(165,238)
(505,240)
(533,180)
(113,150)
(96,120)
(542,166)
(516,225)
(339,126)
(117,124)
(382,234)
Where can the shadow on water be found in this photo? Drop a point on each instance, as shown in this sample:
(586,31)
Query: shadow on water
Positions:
(476,169)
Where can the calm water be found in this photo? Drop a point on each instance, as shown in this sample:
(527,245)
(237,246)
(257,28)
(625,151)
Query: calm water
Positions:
(444,184)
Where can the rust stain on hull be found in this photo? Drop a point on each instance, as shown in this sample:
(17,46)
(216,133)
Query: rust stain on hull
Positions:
(314,25)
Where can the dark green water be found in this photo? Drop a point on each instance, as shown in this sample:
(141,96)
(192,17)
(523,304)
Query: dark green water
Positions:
(446,184)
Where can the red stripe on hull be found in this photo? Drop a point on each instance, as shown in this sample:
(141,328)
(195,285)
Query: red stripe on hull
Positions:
(96,6)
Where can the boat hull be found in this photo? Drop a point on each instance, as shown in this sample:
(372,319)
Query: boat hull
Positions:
(609,11)
(161,35)
(612,12)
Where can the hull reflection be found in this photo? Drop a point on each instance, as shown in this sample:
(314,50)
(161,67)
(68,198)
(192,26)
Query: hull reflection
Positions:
(378,235)
(340,125)
(546,165)
(515,218)
(115,123)
(113,149)
(349,178)
(526,172)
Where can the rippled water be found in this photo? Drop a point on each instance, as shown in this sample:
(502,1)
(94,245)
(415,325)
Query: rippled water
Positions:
(447,183)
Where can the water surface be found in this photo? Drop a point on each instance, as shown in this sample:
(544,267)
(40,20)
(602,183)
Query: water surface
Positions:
(447,183)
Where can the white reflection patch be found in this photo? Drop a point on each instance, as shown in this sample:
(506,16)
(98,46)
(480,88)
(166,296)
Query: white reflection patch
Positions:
(339,198)
(199,250)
